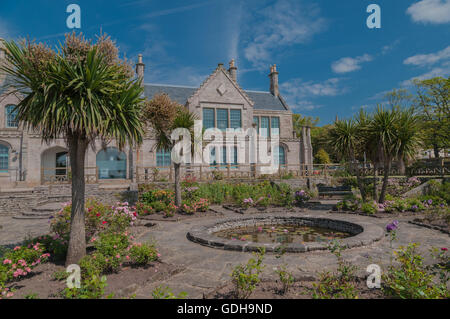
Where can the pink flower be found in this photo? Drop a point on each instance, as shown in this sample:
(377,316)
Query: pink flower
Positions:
(17,248)
(117,256)
(127,257)
(6,262)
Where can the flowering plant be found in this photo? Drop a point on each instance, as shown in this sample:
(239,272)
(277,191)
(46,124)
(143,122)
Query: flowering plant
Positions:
(247,202)
(302,197)
(391,229)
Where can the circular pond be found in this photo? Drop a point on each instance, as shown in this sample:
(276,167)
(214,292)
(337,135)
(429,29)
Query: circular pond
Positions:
(284,234)
(295,234)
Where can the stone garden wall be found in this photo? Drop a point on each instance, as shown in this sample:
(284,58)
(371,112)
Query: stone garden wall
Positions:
(16,202)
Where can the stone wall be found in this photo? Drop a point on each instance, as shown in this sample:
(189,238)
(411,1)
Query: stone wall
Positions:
(13,203)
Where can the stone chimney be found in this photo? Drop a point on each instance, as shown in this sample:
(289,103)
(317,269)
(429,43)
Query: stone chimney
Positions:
(233,70)
(2,49)
(274,81)
(140,68)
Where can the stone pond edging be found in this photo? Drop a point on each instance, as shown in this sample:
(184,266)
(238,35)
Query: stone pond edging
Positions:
(364,233)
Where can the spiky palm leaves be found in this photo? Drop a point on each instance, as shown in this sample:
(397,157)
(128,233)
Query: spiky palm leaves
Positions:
(79,100)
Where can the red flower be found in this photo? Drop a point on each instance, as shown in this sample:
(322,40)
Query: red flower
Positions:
(444,249)
(98,215)
(104,222)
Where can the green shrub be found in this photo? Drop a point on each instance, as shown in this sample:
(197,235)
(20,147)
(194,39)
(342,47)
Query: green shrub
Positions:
(411,279)
(91,288)
(369,208)
(246,276)
(142,254)
(286,278)
(166,293)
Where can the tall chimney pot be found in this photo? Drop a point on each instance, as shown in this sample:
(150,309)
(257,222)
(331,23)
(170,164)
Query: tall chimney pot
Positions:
(233,70)
(140,68)
(274,81)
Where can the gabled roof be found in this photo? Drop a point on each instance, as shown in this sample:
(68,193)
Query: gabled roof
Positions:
(227,75)
(181,94)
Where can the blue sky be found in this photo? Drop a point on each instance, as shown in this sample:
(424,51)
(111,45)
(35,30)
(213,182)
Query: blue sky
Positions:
(330,62)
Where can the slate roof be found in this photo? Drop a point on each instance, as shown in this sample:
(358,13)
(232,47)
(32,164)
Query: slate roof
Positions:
(263,100)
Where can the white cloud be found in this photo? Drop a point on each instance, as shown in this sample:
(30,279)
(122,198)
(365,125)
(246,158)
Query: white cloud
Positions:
(443,71)
(349,64)
(430,11)
(298,92)
(285,23)
(428,59)
(435,64)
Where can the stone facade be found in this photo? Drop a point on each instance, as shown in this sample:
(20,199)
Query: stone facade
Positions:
(26,161)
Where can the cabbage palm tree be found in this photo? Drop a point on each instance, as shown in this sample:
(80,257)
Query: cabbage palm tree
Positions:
(408,137)
(384,129)
(164,116)
(80,93)
(370,146)
(345,136)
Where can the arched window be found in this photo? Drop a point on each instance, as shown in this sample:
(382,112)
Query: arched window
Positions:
(4,158)
(11,116)
(112,164)
(279,156)
(163,158)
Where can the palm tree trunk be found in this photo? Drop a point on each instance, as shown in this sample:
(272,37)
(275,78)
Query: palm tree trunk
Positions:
(387,171)
(401,166)
(375,181)
(177,167)
(77,242)
(359,179)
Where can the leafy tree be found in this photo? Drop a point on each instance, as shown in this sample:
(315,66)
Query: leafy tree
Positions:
(80,93)
(164,116)
(299,122)
(433,101)
(322,157)
(320,139)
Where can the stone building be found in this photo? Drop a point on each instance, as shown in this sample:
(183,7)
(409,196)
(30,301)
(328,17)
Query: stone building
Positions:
(219,102)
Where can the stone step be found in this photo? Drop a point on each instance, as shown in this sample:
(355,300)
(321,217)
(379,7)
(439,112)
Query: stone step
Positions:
(49,207)
(41,212)
(28,217)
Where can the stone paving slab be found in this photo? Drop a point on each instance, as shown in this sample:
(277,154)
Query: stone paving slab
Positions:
(203,262)
(14,231)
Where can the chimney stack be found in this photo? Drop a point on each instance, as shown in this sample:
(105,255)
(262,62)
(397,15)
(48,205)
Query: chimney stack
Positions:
(274,81)
(140,68)
(233,70)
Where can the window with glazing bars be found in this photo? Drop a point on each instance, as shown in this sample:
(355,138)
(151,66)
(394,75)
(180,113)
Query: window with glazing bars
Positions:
(222,119)
(235,119)
(264,131)
(275,124)
(208,118)
(11,116)
(163,158)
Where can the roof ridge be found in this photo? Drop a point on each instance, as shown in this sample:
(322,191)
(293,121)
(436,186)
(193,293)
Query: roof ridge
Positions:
(172,85)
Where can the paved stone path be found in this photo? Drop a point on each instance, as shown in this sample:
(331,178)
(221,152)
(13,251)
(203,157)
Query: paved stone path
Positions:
(207,268)
(14,231)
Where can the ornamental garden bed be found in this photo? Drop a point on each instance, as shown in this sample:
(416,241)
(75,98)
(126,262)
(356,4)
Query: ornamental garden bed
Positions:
(113,254)
(302,288)
(48,280)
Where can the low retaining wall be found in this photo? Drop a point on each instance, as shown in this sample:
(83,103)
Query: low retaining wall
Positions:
(363,233)
(19,201)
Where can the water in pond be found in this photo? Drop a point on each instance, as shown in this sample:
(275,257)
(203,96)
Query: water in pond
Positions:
(281,234)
